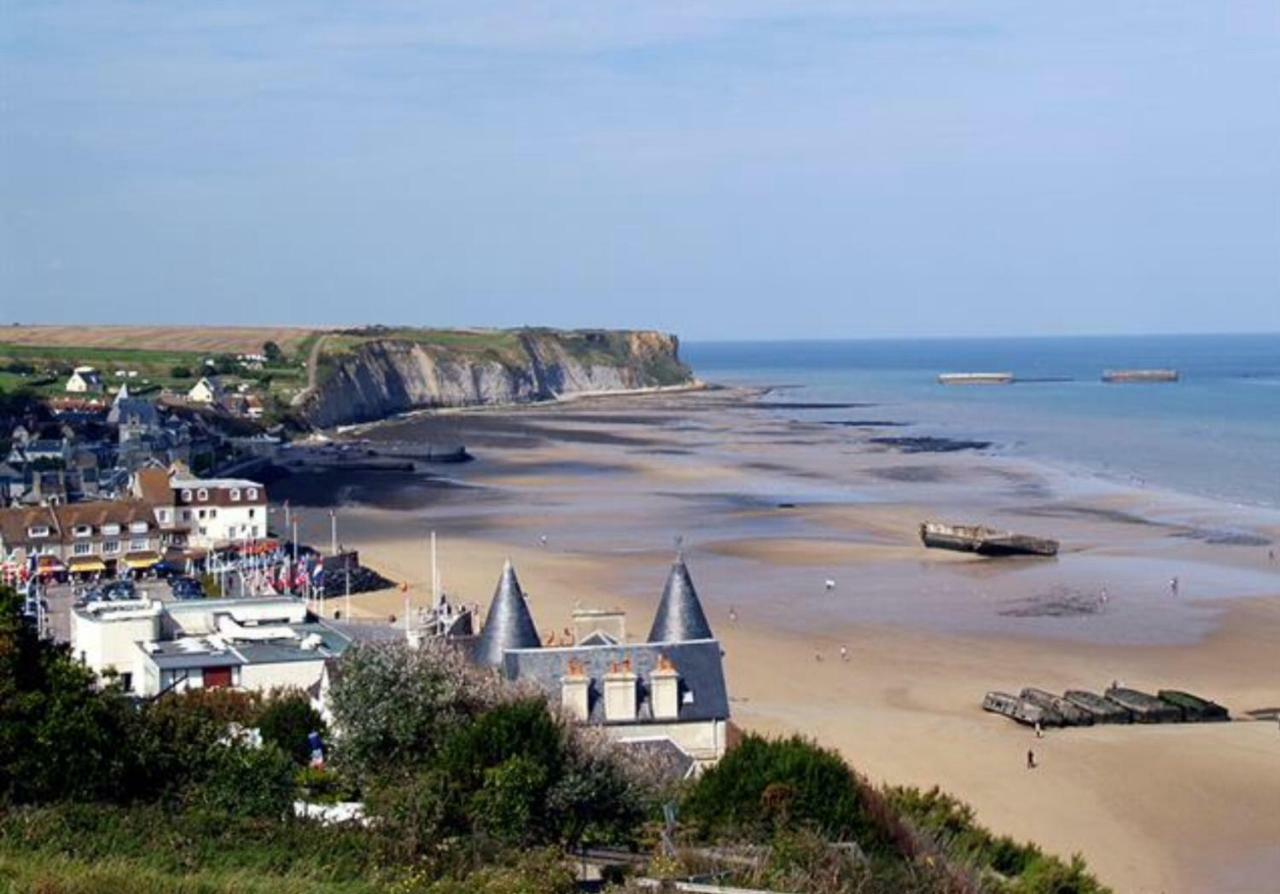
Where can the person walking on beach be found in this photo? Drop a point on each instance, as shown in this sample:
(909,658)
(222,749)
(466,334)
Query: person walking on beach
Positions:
(1031,759)
(1173,585)
(844,653)
(1039,730)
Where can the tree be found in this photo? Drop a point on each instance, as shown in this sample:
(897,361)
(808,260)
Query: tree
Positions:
(396,706)
(272,352)
(59,734)
(286,721)
(180,372)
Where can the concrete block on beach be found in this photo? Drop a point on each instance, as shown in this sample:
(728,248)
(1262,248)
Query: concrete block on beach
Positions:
(1102,710)
(1056,706)
(1145,708)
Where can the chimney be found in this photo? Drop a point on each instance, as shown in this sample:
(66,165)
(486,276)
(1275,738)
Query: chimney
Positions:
(620,693)
(664,689)
(575,687)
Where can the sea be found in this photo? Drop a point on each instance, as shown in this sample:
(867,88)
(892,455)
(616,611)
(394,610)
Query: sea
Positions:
(1215,433)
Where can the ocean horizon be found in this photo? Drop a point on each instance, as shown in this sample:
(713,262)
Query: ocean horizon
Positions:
(1215,433)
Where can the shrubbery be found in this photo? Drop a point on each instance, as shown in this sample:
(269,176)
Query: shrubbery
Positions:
(470,785)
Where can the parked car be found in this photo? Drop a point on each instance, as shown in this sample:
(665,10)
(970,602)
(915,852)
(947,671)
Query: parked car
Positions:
(167,570)
(119,589)
(184,588)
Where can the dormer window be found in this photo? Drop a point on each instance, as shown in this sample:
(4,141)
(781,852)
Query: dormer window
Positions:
(186,495)
(82,531)
(253,493)
(111,529)
(202,494)
(139,527)
(38,531)
(235,495)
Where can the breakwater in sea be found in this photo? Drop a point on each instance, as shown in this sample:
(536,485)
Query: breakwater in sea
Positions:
(1215,433)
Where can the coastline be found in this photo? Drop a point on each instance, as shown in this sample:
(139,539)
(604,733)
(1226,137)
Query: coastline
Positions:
(611,480)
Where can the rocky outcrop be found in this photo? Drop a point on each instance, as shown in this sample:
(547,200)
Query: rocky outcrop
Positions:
(376,377)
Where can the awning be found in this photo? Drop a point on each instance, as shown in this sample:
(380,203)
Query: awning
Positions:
(83,566)
(140,561)
(50,565)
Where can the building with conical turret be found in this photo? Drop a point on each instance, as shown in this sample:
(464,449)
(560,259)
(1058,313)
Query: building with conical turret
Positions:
(665,693)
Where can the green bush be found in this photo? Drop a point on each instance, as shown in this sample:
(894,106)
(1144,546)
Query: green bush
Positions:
(180,372)
(286,720)
(766,785)
(246,781)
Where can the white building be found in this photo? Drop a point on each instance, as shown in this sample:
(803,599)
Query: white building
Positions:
(205,513)
(255,643)
(219,511)
(206,391)
(85,380)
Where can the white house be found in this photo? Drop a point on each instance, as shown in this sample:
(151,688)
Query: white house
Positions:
(218,511)
(206,391)
(85,380)
(256,643)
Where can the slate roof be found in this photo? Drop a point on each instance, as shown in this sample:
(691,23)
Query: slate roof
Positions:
(699,664)
(508,624)
(680,616)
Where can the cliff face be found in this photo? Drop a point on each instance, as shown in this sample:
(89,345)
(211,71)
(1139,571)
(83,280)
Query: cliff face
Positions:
(376,377)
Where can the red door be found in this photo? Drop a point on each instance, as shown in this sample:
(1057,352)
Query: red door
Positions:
(217,677)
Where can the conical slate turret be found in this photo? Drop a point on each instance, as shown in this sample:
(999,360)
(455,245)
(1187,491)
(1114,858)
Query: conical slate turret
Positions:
(680,616)
(508,624)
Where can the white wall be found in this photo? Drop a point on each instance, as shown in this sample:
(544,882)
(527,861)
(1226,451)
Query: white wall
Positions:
(297,674)
(111,643)
(704,741)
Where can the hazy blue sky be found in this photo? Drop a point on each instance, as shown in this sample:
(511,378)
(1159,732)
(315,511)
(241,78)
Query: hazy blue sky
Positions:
(721,168)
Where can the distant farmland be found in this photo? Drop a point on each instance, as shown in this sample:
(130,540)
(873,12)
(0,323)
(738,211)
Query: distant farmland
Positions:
(180,339)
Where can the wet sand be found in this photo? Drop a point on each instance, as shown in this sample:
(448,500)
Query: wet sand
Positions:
(770,505)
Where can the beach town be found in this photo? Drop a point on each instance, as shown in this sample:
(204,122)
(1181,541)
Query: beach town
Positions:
(169,582)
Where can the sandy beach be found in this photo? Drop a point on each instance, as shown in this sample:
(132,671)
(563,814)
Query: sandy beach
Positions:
(768,505)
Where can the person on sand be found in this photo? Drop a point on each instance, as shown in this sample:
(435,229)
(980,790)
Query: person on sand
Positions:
(1173,585)
(844,653)
(1039,730)
(817,656)
(1031,759)
(733,615)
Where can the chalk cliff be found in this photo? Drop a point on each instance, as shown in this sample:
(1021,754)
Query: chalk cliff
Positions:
(371,374)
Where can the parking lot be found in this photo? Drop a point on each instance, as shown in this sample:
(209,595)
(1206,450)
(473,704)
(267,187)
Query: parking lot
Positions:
(59,599)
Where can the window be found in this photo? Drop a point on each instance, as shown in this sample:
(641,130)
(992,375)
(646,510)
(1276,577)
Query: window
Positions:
(38,531)
(111,529)
(186,495)
(202,494)
(110,547)
(82,530)
(253,493)
(235,495)
(163,516)
(82,549)
(253,513)
(213,513)
(253,530)
(200,513)
(186,515)
(139,527)
(137,545)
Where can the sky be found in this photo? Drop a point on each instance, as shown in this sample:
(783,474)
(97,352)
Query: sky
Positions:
(717,168)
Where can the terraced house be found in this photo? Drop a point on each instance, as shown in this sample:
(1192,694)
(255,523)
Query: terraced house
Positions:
(100,537)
